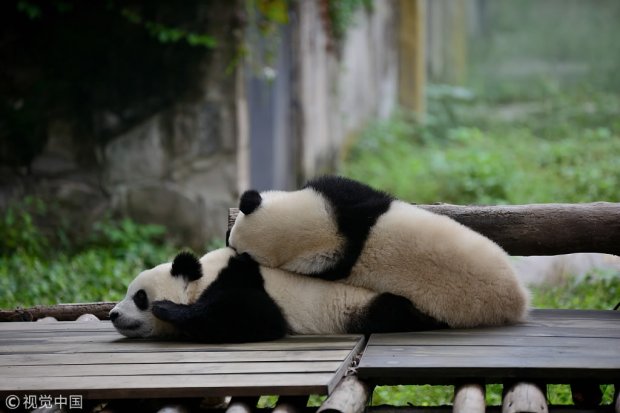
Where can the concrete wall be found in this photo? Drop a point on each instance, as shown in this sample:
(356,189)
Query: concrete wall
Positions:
(341,90)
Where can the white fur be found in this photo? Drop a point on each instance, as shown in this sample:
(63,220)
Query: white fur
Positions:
(310,306)
(297,224)
(447,270)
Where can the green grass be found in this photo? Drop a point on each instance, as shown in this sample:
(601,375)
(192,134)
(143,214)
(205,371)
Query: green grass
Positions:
(40,266)
(558,153)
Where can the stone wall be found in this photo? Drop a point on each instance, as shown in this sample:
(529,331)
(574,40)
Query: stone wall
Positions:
(166,157)
(180,157)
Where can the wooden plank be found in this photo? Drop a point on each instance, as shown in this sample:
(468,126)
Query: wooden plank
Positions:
(171,357)
(133,369)
(562,346)
(346,365)
(491,357)
(113,387)
(138,346)
(537,229)
(450,375)
(478,339)
(95,361)
(60,338)
(33,335)
(59,326)
(567,314)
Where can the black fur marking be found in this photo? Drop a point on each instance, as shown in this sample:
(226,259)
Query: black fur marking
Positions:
(235,308)
(227,237)
(390,313)
(186,265)
(250,200)
(140,300)
(357,208)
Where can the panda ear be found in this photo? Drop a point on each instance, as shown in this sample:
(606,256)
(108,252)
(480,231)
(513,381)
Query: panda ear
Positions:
(250,200)
(186,265)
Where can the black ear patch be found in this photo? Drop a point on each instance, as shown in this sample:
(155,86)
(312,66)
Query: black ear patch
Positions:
(186,265)
(250,200)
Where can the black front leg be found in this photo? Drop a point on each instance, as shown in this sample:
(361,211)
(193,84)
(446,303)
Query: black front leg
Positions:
(177,314)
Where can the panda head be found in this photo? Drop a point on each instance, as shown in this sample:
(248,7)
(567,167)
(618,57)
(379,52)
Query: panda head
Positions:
(174,281)
(278,228)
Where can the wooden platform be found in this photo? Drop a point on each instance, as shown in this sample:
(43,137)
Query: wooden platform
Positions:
(554,346)
(93,360)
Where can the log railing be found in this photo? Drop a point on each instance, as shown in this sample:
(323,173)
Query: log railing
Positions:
(537,229)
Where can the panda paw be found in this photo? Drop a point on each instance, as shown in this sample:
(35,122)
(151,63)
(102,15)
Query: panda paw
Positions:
(165,310)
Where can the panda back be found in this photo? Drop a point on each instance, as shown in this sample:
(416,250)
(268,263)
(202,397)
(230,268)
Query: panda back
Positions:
(447,270)
(315,306)
(355,208)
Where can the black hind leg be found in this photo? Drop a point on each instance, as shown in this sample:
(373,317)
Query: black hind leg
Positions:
(389,313)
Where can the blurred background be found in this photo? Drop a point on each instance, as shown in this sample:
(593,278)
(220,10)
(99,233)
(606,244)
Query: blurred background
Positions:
(128,129)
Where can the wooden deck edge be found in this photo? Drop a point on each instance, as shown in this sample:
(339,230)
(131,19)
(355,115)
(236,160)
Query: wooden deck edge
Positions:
(348,364)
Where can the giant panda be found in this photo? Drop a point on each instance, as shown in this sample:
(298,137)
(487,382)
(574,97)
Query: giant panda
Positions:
(336,228)
(225,297)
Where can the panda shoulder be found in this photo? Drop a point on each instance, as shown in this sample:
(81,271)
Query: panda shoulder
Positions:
(345,192)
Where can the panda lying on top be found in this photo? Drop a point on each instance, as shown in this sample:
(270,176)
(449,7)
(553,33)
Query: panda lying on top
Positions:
(225,297)
(339,229)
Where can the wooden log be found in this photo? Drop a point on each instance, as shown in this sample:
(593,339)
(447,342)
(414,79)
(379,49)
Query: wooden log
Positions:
(538,229)
(350,396)
(242,405)
(524,398)
(469,398)
(61,312)
(87,318)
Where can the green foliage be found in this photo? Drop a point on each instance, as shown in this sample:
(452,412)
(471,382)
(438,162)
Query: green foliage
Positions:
(598,290)
(31,10)
(35,271)
(529,52)
(166,33)
(274,11)
(19,232)
(413,395)
(564,150)
(341,14)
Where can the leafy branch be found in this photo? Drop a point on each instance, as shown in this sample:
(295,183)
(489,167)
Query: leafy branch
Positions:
(169,34)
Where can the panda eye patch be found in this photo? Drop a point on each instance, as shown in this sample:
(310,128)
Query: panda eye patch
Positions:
(141,300)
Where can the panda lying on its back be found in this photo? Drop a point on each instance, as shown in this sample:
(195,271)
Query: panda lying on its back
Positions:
(338,229)
(224,297)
